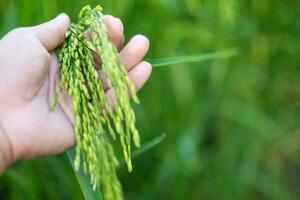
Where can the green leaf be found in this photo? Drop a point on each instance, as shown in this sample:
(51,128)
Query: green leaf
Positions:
(145,147)
(194,58)
(149,145)
(84,180)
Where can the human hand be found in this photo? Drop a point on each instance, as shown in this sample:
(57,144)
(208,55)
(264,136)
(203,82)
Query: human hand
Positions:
(28,80)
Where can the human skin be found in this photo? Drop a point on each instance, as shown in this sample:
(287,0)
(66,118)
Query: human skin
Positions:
(28,79)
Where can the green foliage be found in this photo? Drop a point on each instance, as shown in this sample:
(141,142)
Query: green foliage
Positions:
(232,124)
(84,180)
(193,58)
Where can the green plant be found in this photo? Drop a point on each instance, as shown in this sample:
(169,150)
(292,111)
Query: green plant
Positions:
(216,113)
(93,114)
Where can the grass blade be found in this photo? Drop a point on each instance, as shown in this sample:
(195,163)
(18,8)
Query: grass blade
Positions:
(149,145)
(84,180)
(194,58)
(145,147)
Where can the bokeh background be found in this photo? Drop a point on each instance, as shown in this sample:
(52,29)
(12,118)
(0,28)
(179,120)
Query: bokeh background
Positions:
(232,125)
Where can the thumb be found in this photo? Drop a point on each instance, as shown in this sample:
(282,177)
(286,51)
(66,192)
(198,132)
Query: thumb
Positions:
(52,33)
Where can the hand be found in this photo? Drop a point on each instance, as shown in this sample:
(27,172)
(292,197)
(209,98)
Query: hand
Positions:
(28,80)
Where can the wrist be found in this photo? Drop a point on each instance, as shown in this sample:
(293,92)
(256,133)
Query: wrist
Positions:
(5,150)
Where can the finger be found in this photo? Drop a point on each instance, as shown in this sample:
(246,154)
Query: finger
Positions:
(131,55)
(138,75)
(51,34)
(134,52)
(115,31)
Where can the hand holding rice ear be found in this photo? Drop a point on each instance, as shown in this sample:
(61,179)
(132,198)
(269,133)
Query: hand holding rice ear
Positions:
(93,114)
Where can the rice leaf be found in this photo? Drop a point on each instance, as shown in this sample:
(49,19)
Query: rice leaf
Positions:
(84,180)
(145,147)
(194,58)
(149,145)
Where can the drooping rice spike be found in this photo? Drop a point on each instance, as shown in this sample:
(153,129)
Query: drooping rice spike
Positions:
(94,118)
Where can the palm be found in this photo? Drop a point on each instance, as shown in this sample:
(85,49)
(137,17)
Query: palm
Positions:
(34,127)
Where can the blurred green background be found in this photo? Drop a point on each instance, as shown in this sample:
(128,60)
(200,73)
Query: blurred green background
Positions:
(232,125)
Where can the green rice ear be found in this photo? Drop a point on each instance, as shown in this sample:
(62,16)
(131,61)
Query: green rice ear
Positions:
(95,120)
